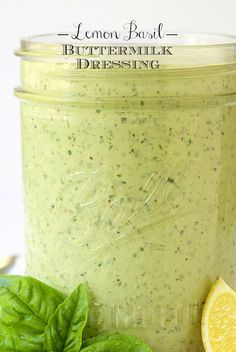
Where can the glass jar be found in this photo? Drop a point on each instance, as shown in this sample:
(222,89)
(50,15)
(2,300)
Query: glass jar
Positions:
(129,179)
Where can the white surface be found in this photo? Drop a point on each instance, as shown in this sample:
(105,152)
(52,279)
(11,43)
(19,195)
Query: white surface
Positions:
(26,17)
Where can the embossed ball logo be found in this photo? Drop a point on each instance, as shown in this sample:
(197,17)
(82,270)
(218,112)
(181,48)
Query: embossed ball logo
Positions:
(94,208)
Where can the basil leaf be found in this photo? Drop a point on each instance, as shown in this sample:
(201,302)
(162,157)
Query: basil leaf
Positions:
(26,305)
(114,343)
(65,327)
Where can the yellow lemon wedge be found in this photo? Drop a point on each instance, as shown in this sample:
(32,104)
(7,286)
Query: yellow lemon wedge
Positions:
(219,319)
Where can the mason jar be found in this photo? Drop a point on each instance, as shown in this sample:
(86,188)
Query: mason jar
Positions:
(129,179)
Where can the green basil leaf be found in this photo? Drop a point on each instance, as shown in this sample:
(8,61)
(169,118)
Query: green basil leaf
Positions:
(26,305)
(114,343)
(65,327)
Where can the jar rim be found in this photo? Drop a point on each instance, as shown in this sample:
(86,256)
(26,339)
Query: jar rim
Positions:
(189,63)
(181,39)
(189,49)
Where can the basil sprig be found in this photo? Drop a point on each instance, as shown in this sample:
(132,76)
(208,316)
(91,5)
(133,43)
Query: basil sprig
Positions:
(35,317)
(26,306)
(114,343)
(65,327)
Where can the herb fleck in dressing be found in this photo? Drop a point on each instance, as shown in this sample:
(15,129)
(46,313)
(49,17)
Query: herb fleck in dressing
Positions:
(137,198)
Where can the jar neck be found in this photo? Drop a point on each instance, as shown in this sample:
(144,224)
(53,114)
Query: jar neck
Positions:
(53,81)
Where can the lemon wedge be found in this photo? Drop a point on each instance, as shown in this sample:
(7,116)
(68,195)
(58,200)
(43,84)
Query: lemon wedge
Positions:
(219,319)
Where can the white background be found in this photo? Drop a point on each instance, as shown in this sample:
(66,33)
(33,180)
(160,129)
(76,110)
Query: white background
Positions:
(20,18)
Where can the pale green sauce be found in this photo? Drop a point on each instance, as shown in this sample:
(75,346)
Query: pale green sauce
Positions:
(139,204)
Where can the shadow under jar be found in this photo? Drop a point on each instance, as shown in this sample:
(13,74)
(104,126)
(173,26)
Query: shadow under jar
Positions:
(129,179)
